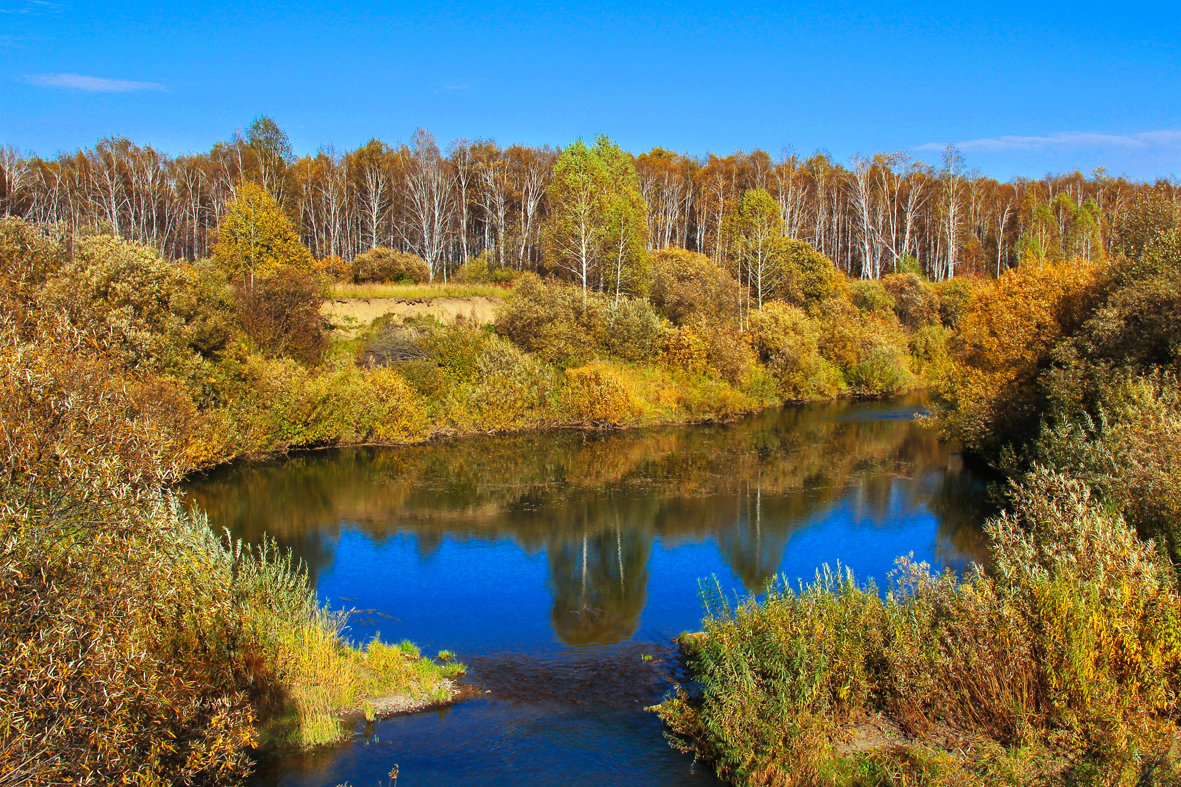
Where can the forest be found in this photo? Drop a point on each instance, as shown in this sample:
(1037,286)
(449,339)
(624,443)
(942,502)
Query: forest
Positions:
(874,215)
(160,316)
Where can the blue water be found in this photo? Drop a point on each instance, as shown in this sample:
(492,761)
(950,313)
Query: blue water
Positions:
(559,566)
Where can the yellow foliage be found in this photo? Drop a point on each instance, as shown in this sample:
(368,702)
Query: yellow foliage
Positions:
(1005,334)
(256,238)
(392,406)
(685,349)
(597,394)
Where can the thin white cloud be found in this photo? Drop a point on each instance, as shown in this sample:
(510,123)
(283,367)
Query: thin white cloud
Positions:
(1072,140)
(30,6)
(90,84)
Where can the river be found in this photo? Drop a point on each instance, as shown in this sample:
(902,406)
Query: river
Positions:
(559,566)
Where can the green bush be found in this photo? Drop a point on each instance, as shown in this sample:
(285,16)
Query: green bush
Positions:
(809,278)
(1068,652)
(482,269)
(511,390)
(881,371)
(955,296)
(632,331)
(788,343)
(870,296)
(123,296)
(553,321)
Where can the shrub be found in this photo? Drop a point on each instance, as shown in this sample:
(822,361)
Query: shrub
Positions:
(870,296)
(457,347)
(688,287)
(389,408)
(124,297)
(778,679)
(728,353)
(29,255)
(914,302)
(788,342)
(1135,321)
(881,371)
(631,329)
(870,350)
(929,353)
(1004,340)
(1069,652)
(482,269)
(334,268)
(84,538)
(553,321)
(1127,453)
(383,265)
(281,315)
(685,349)
(597,394)
(954,296)
(810,278)
(511,390)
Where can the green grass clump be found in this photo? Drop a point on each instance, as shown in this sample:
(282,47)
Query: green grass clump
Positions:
(326,678)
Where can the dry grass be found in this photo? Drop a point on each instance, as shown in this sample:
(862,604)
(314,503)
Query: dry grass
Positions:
(417,291)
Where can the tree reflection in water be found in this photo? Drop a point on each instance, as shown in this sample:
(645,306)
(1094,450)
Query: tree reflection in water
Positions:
(596,503)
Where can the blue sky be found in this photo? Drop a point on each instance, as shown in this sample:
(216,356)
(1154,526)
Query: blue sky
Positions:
(1022,88)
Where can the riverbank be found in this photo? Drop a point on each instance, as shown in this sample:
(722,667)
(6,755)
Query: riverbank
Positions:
(124,372)
(1060,664)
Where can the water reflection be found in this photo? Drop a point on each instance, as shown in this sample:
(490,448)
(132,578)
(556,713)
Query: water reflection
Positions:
(595,504)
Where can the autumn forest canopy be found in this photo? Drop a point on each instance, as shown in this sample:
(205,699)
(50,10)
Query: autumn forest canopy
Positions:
(871,216)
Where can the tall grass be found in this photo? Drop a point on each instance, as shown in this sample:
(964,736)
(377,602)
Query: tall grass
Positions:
(1065,664)
(311,679)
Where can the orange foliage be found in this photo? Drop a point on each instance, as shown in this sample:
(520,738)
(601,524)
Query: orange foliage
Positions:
(1004,339)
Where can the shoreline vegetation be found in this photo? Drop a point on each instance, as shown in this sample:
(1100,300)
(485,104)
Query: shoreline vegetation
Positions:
(1061,664)
(146,647)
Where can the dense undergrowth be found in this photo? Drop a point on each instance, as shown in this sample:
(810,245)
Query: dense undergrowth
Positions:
(1062,663)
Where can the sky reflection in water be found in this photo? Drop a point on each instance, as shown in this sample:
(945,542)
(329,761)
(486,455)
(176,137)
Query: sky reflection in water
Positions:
(552,562)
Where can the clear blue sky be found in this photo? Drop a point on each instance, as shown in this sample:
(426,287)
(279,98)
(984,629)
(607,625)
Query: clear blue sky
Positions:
(1023,88)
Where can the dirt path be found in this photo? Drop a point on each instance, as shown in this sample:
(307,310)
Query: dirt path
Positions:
(349,314)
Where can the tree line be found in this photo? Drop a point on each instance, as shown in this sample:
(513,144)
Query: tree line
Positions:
(871,216)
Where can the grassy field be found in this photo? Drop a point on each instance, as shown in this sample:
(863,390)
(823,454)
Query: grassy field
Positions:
(418,291)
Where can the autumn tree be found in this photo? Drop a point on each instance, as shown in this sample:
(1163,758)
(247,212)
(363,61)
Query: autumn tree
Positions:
(576,230)
(626,238)
(272,152)
(756,229)
(256,238)
(597,228)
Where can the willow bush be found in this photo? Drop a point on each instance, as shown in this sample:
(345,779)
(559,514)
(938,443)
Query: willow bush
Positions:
(1071,649)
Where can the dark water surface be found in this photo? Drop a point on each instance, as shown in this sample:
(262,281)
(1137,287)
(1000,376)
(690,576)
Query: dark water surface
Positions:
(555,564)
